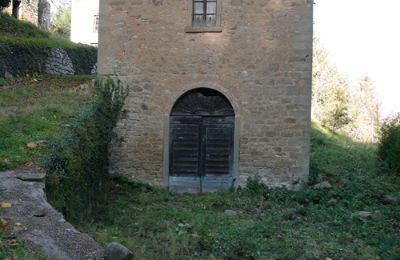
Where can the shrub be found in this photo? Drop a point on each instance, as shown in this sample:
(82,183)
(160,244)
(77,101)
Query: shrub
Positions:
(389,147)
(77,176)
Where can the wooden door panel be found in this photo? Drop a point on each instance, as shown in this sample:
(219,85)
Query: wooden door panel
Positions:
(185,146)
(218,146)
(201,153)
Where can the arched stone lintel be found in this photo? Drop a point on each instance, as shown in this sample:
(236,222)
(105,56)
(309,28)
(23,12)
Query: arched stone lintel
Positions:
(203,84)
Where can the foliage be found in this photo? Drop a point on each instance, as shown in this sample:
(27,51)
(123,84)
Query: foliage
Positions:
(34,110)
(61,23)
(365,110)
(330,96)
(76,178)
(270,223)
(4,4)
(389,146)
(24,33)
(17,58)
(339,105)
(16,28)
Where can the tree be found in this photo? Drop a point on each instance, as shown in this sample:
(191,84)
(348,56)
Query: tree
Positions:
(61,24)
(330,95)
(4,4)
(366,111)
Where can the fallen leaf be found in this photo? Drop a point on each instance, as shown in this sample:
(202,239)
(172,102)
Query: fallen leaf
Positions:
(6,205)
(32,145)
(3,223)
(5,160)
(29,164)
(12,242)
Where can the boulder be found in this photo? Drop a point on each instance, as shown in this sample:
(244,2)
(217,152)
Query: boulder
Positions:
(388,199)
(116,251)
(322,185)
(230,213)
(39,212)
(362,215)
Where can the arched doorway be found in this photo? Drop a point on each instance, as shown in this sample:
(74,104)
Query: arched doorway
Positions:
(201,147)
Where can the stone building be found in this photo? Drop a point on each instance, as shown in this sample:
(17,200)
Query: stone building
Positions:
(33,11)
(85,21)
(219,90)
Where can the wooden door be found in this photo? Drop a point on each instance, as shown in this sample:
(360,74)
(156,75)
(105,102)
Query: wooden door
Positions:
(201,142)
(201,153)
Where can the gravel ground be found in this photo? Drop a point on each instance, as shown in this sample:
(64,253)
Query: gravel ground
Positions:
(47,231)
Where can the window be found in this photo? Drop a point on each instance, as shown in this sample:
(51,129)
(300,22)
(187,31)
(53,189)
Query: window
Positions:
(204,13)
(96,23)
(205,16)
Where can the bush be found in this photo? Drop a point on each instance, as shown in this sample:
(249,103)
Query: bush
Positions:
(77,176)
(389,147)
(62,21)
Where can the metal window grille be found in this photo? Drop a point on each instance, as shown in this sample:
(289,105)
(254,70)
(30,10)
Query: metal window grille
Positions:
(96,23)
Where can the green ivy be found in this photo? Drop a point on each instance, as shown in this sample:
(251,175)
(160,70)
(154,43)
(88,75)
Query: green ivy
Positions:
(76,180)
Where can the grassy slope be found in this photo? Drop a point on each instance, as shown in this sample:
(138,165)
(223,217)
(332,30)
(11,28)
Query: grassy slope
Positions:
(16,31)
(272,223)
(35,109)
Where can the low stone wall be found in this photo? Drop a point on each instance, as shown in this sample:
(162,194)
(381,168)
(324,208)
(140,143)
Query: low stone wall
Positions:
(19,60)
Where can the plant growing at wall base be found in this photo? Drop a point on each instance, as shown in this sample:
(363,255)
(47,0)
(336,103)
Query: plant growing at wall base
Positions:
(389,146)
(4,4)
(76,180)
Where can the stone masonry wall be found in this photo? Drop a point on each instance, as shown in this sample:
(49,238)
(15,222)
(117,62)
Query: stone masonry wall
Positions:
(28,11)
(21,59)
(261,61)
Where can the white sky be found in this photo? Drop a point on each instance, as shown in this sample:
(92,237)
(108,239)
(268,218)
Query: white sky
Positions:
(363,37)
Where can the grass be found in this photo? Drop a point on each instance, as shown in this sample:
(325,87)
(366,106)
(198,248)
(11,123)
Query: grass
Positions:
(33,112)
(21,32)
(271,223)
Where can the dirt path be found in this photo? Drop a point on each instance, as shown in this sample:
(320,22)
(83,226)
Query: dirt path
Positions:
(47,231)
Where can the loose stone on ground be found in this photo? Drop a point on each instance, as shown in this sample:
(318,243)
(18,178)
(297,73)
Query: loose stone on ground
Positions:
(37,223)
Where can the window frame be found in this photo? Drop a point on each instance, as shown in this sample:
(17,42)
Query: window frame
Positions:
(199,29)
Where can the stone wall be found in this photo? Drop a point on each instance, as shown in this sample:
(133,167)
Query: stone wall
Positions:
(261,61)
(28,10)
(20,60)
(33,11)
(44,15)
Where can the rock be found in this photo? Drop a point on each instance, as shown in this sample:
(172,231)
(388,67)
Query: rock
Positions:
(332,201)
(42,142)
(183,225)
(30,177)
(40,212)
(8,75)
(322,185)
(230,213)
(362,215)
(116,251)
(388,199)
(32,145)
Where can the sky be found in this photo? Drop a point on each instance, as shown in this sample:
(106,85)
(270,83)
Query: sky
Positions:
(362,37)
